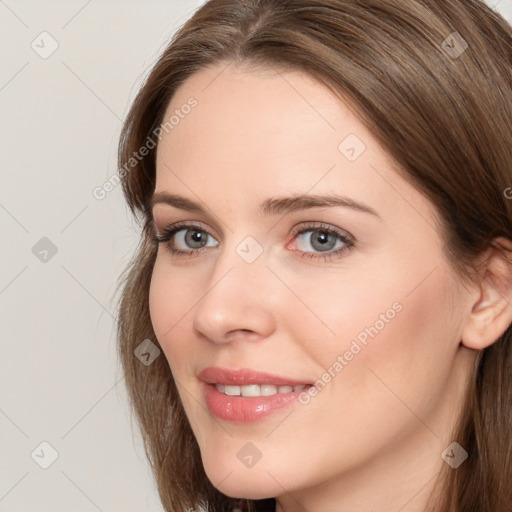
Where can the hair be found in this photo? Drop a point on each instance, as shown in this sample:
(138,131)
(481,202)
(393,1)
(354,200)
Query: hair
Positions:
(444,119)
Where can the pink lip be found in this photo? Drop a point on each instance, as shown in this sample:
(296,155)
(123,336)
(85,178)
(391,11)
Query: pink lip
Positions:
(243,409)
(243,377)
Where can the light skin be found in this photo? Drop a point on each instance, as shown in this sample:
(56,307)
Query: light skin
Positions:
(372,439)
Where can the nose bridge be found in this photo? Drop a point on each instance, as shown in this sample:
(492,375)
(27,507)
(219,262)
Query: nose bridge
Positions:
(234,300)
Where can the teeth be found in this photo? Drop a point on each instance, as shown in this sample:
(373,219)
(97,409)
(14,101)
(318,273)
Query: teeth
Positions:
(250,390)
(257,389)
(232,390)
(268,390)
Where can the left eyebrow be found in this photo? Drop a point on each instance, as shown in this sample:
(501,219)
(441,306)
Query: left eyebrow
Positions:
(286,204)
(272,205)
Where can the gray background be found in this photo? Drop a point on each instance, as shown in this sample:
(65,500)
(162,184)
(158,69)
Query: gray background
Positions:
(60,381)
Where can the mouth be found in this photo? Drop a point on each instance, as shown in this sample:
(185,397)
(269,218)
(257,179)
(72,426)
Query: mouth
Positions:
(258,389)
(244,396)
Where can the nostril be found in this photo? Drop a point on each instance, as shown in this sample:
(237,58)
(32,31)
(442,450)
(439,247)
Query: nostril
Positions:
(246,334)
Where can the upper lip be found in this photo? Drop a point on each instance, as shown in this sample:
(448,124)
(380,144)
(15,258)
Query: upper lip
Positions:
(243,377)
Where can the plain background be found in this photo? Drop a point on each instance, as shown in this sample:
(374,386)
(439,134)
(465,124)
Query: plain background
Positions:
(60,380)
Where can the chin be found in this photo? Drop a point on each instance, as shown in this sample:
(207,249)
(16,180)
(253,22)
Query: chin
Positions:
(243,484)
(246,490)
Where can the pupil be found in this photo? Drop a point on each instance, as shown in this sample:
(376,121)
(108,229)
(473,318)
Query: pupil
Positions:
(321,241)
(195,237)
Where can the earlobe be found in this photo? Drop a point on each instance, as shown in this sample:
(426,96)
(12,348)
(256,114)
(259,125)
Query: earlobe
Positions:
(491,313)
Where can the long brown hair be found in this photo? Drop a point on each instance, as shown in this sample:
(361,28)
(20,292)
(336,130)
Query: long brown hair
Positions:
(432,80)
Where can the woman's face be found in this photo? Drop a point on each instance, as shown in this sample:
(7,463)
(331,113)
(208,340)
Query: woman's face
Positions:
(369,308)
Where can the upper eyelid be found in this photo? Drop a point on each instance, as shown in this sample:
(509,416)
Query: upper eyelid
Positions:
(319,226)
(182,225)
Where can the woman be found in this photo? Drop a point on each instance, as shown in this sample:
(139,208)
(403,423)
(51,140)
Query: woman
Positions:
(325,259)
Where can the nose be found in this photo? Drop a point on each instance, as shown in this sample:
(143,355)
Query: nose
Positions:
(237,304)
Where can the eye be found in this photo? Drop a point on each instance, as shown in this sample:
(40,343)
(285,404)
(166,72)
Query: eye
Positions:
(327,241)
(186,239)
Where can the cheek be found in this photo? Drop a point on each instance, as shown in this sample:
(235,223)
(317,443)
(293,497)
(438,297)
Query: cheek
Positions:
(391,337)
(396,350)
(169,303)
(160,302)
(340,315)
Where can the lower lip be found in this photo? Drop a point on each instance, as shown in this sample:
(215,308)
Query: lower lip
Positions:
(245,409)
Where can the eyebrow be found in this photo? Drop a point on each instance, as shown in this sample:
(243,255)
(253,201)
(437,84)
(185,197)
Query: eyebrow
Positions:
(272,205)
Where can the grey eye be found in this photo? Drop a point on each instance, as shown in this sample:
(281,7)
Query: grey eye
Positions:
(192,239)
(319,239)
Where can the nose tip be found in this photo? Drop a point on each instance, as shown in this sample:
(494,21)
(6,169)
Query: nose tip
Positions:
(234,309)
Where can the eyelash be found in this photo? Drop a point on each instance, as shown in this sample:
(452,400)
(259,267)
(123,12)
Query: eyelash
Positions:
(170,231)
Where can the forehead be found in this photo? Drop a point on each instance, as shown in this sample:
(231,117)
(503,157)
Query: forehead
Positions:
(250,119)
(279,107)
(265,131)
(260,100)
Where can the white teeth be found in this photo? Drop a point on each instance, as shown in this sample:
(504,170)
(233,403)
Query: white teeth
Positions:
(268,390)
(257,389)
(250,390)
(232,390)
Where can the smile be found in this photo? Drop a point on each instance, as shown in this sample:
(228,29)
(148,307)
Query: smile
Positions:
(258,389)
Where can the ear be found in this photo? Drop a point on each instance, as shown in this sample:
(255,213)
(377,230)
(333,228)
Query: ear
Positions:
(491,313)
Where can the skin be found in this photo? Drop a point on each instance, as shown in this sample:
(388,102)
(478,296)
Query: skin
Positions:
(372,439)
